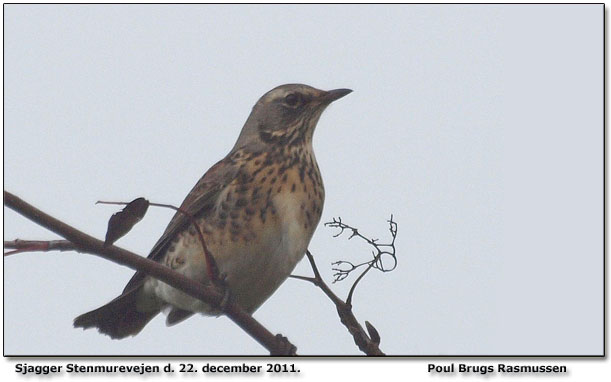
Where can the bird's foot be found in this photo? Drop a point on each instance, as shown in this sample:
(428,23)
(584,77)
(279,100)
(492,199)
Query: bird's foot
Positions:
(221,284)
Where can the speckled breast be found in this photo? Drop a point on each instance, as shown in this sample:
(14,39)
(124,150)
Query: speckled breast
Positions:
(260,226)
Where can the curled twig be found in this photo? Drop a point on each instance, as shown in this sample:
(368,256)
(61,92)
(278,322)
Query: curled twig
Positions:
(344,268)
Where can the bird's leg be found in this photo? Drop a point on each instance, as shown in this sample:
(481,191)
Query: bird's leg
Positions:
(212,269)
(221,283)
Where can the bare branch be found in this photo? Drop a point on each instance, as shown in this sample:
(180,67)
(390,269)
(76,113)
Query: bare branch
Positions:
(277,345)
(368,341)
(368,345)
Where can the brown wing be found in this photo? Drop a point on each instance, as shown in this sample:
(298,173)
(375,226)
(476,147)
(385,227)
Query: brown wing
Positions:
(200,199)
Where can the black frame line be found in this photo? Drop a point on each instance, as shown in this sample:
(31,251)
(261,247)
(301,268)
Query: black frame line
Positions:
(593,357)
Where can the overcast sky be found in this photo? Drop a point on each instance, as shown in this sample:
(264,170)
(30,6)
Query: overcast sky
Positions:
(480,128)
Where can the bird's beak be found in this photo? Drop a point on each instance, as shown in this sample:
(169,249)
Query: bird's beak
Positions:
(334,95)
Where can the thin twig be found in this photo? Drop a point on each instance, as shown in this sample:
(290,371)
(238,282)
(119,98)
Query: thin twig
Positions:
(19,246)
(356,282)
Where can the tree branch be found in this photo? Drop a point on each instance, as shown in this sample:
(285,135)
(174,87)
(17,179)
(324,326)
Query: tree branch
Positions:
(276,344)
(19,246)
(368,344)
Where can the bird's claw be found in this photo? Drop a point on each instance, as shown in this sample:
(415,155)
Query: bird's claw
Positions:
(221,285)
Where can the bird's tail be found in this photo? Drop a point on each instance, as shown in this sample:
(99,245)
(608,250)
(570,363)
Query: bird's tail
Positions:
(119,318)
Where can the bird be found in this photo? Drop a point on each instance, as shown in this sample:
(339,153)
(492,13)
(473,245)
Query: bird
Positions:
(257,209)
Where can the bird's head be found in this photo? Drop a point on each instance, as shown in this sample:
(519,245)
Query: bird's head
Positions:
(287,115)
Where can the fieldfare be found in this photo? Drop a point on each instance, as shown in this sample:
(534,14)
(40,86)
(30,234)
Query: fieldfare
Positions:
(257,209)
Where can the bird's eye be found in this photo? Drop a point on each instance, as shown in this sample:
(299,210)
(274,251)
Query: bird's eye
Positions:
(292,99)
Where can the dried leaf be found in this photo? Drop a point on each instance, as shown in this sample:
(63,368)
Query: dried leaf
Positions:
(373,333)
(123,221)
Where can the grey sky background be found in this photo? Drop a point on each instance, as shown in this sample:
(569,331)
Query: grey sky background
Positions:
(479,127)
